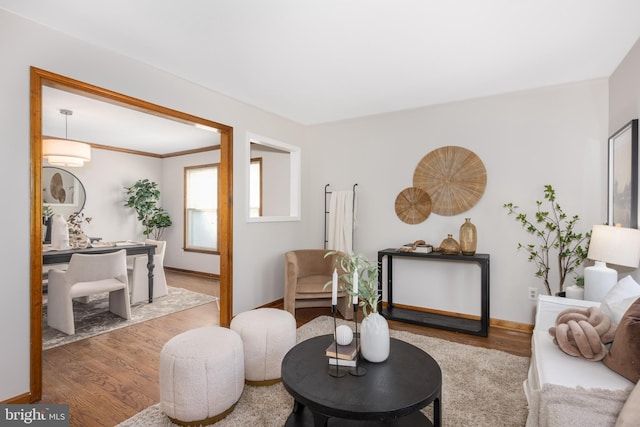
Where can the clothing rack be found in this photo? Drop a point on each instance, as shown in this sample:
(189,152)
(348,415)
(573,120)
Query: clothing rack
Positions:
(327,201)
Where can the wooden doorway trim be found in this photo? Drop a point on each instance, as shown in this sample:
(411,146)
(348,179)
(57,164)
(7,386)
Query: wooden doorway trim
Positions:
(40,78)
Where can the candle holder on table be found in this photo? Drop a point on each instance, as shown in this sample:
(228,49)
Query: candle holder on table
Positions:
(335,372)
(357,371)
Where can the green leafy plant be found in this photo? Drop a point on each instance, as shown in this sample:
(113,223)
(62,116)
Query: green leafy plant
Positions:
(556,235)
(143,196)
(47,212)
(368,295)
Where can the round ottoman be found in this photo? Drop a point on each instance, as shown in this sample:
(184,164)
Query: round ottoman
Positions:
(201,375)
(267,335)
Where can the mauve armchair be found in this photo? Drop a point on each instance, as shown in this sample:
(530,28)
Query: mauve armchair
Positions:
(306,273)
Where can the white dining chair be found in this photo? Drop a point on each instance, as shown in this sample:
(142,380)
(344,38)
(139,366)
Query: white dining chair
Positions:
(139,274)
(88,275)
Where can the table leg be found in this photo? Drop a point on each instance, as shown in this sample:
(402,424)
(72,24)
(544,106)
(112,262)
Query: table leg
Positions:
(319,420)
(437,412)
(150,266)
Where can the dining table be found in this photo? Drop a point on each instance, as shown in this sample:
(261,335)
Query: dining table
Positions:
(63,256)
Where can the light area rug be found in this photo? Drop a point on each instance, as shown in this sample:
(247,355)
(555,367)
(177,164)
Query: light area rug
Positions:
(481,387)
(94,318)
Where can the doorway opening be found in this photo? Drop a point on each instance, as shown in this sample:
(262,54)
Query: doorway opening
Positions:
(41,78)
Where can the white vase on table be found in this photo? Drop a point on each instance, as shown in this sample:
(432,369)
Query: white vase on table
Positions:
(59,233)
(374,338)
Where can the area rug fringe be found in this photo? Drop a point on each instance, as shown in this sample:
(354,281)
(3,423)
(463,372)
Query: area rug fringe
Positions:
(481,387)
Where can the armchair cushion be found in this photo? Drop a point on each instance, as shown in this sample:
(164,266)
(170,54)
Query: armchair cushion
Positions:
(307,271)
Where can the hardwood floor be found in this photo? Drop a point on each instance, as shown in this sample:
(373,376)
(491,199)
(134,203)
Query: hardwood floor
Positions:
(109,378)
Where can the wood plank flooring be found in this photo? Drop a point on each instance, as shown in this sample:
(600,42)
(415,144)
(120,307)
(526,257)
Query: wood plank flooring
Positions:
(109,378)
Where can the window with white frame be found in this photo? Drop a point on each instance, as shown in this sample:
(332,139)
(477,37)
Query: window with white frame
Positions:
(201,208)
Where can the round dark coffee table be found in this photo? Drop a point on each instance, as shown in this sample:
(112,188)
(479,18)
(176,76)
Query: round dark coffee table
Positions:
(390,394)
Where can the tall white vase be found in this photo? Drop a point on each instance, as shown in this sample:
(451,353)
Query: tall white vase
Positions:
(374,338)
(59,233)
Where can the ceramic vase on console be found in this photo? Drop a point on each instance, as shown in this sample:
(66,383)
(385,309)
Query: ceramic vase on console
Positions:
(468,237)
(449,246)
(374,338)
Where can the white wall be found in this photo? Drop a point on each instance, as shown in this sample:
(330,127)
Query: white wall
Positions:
(624,106)
(104,179)
(173,201)
(526,140)
(258,275)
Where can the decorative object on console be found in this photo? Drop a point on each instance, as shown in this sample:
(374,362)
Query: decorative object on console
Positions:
(449,246)
(583,332)
(468,237)
(555,230)
(413,205)
(65,152)
(623,176)
(454,177)
(417,246)
(614,245)
(143,197)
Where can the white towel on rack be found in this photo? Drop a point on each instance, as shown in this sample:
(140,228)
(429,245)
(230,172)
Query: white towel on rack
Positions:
(341,221)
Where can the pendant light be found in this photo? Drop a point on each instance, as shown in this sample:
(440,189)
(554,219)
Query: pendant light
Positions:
(64,152)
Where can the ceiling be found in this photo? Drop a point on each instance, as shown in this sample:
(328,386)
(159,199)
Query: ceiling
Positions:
(107,124)
(318,61)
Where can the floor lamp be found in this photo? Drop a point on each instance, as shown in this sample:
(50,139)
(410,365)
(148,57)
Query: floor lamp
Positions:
(613,245)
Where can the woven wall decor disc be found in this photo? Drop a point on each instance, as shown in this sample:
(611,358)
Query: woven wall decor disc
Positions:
(454,177)
(413,205)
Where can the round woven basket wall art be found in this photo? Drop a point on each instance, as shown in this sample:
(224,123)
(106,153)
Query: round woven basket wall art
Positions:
(454,178)
(413,205)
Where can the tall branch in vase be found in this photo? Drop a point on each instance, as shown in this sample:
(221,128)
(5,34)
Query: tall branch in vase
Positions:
(557,238)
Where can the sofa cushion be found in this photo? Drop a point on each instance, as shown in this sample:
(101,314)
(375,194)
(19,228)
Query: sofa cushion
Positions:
(624,355)
(620,298)
(630,414)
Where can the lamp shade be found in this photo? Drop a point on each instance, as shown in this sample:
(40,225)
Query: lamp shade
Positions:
(64,152)
(615,245)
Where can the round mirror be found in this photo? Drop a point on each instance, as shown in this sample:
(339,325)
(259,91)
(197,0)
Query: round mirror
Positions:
(62,191)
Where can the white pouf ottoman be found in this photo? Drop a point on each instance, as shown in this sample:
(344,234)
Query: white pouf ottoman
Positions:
(201,375)
(267,335)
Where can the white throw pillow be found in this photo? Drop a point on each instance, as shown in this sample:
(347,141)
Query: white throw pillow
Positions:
(620,297)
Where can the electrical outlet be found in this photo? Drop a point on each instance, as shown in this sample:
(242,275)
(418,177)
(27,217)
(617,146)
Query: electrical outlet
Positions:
(533,293)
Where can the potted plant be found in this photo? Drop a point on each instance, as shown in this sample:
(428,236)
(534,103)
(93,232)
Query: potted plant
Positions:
(143,196)
(556,236)
(47,215)
(375,329)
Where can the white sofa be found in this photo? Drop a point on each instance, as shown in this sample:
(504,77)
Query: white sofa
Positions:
(563,390)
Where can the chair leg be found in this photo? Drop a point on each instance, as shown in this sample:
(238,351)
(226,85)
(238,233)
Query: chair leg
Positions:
(119,303)
(60,314)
